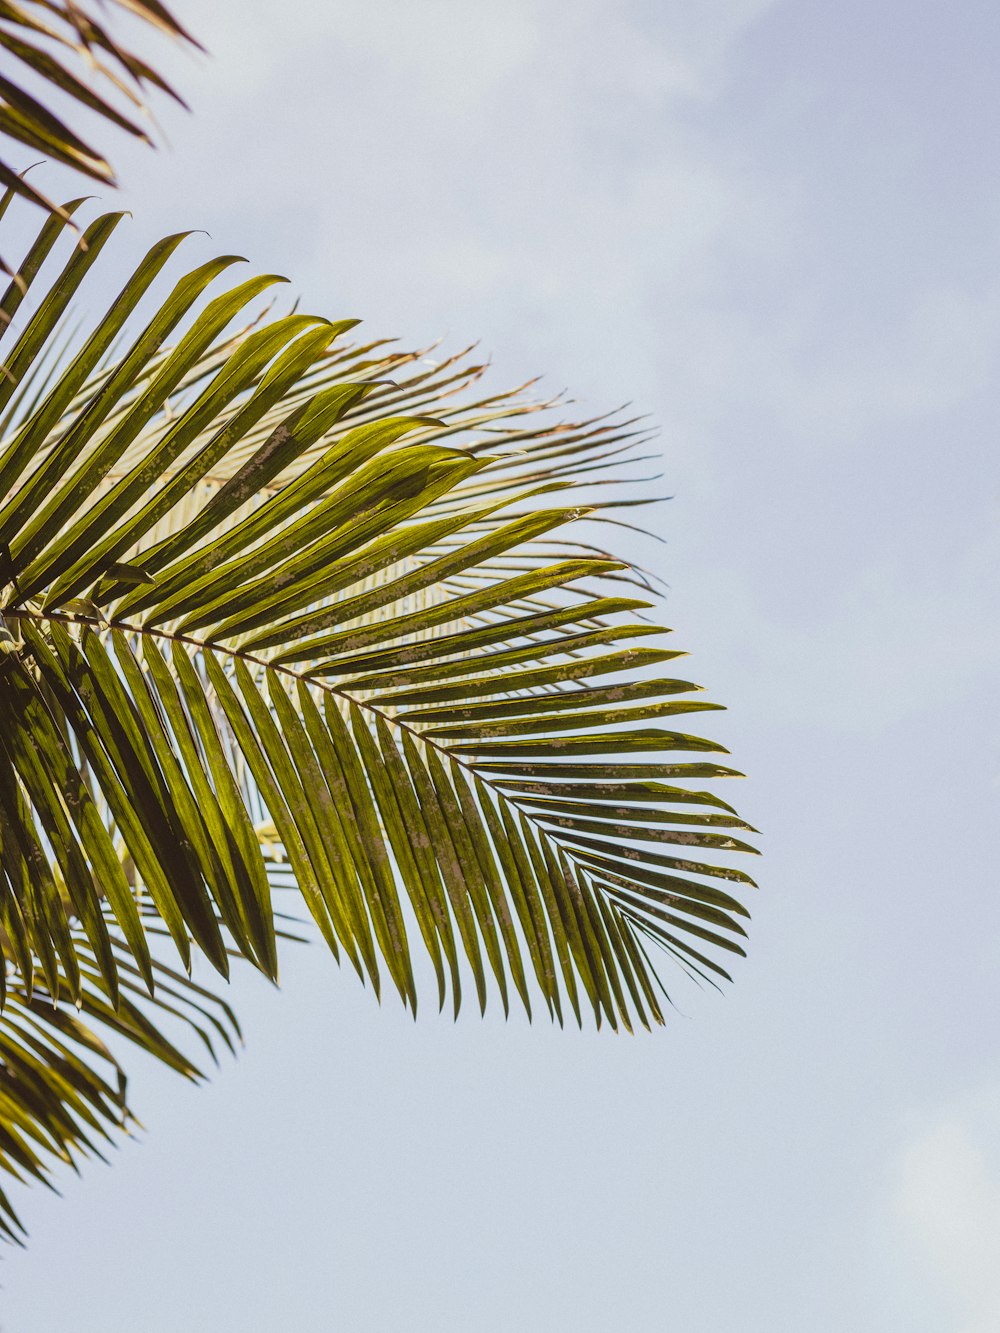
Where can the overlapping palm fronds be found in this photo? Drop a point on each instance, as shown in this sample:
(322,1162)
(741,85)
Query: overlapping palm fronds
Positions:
(62,1090)
(276,590)
(66,52)
(257,560)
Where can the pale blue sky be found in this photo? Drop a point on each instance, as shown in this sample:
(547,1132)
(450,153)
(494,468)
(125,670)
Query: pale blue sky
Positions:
(776,228)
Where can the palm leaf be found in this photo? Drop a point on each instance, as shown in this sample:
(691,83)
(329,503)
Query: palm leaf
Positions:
(63,1093)
(62,49)
(273,578)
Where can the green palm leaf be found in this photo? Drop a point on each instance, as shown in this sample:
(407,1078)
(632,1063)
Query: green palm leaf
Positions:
(275,583)
(62,1089)
(62,49)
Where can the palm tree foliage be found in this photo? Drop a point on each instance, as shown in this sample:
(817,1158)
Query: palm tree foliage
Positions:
(274,600)
(66,49)
(62,1091)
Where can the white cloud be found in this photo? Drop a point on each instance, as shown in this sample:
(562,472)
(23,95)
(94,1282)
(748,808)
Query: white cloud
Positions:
(467,157)
(947,1211)
(513,167)
(463,52)
(458,54)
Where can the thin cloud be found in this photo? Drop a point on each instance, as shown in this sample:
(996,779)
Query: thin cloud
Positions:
(947,1211)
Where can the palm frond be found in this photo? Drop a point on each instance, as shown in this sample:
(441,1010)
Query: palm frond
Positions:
(63,1092)
(65,50)
(275,576)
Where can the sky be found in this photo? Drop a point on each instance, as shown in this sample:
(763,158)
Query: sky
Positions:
(774,227)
